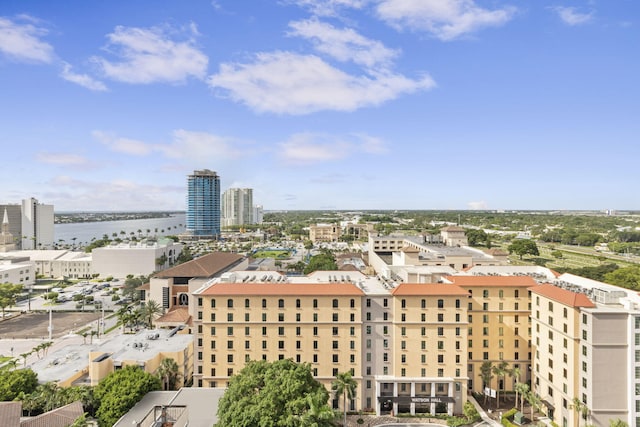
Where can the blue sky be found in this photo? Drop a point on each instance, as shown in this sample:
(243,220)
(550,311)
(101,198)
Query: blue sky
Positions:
(334,104)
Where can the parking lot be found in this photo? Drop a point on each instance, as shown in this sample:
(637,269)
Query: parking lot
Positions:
(35,325)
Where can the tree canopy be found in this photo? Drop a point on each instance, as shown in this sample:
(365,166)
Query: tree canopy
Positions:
(119,391)
(523,247)
(270,394)
(324,261)
(8,294)
(14,382)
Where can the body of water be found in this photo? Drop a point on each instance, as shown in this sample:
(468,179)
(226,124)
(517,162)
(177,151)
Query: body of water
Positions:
(84,232)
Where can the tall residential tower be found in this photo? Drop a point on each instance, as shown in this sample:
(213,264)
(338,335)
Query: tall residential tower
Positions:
(203,204)
(237,207)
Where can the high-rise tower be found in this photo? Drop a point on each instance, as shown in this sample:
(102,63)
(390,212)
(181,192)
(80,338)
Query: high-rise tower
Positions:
(237,207)
(203,204)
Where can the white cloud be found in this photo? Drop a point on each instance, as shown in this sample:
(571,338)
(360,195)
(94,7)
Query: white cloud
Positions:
(571,16)
(123,145)
(445,19)
(288,83)
(83,80)
(306,148)
(62,159)
(21,40)
(116,194)
(343,44)
(148,55)
(199,146)
(478,206)
(329,7)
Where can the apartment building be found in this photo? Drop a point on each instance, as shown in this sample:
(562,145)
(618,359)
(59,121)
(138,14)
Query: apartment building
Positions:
(316,323)
(412,347)
(499,329)
(587,351)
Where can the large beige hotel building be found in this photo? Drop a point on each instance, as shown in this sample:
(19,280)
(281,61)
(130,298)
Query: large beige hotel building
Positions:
(415,335)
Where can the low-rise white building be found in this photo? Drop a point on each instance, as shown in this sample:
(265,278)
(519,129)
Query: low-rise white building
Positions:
(136,258)
(19,271)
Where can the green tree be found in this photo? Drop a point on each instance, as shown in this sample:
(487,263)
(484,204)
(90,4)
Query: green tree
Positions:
(627,277)
(477,237)
(344,385)
(618,423)
(184,256)
(279,393)
(12,383)
(523,389)
(168,372)
(324,261)
(8,294)
(523,247)
(500,371)
(131,285)
(119,391)
(149,311)
(534,401)
(470,412)
(486,374)
(581,408)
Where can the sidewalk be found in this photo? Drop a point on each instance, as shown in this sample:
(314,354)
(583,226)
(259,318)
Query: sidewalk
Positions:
(490,421)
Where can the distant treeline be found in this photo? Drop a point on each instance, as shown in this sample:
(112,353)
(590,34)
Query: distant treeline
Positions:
(71,217)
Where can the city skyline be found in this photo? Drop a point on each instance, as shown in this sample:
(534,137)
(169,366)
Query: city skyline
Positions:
(334,104)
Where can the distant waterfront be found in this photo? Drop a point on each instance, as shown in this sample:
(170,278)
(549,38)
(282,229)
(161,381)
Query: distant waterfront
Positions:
(85,231)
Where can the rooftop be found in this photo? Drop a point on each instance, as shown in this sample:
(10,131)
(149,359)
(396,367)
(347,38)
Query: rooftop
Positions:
(435,289)
(493,281)
(204,266)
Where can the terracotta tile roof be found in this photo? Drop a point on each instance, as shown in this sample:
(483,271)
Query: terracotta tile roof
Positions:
(175,315)
(497,281)
(61,417)
(269,289)
(10,413)
(563,296)
(437,289)
(145,287)
(205,266)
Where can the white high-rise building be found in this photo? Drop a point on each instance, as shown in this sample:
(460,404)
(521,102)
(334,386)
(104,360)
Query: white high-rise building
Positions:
(237,207)
(37,225)
(258,214)
(30,223)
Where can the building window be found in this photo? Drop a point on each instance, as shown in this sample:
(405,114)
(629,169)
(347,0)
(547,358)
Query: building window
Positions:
(335,303)
(281,330)
(485,293)
(368,302)
(280,303)
(280,317)
(247,304)
(213,303)
(264,303)
(230,303)
(264,317)
(440,303)
(315,303)
(229,317)
(403,303)
(335,317)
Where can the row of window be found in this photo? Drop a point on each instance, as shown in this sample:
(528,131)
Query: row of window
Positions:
(281,303)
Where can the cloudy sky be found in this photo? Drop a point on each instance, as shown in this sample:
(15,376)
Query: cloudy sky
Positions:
(322,104)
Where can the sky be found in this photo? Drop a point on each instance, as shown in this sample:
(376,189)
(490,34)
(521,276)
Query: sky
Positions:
(322,104)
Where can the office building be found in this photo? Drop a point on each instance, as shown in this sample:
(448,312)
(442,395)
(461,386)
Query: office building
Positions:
(203,205)
(30,223)
(237,207)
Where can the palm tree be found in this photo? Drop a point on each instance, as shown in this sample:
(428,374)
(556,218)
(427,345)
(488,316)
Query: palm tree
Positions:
(515,374)
(581,409)
(168,372)
(533,400)
(523,389)
(24,358)
(344,385)
(500,371)
(149,312)
(319,413)
(486,374)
